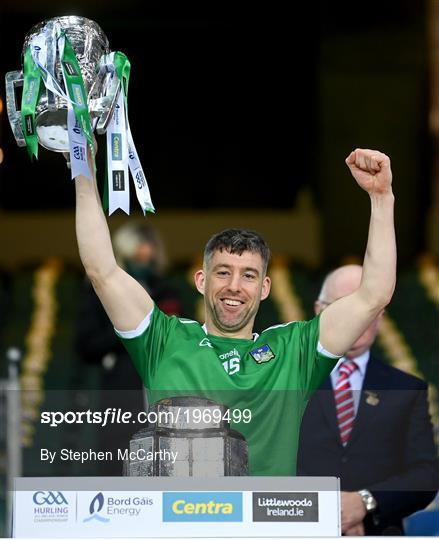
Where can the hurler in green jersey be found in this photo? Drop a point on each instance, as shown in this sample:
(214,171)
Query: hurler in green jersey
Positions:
(270,377)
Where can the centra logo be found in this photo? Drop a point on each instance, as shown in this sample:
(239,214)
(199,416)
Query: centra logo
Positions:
(202,506)
(116,146)
(49,497)
(77,93)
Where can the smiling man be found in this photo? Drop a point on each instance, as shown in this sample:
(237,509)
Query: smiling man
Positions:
(272,375)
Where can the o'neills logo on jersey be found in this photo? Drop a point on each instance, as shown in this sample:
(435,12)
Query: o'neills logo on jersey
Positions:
(285,506)
(231,361)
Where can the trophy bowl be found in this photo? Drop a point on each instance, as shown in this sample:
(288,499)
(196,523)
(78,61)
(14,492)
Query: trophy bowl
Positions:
(89,44)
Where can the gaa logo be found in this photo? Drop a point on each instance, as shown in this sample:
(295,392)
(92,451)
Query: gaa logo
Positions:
(49,497)
(140,179)
(79,153)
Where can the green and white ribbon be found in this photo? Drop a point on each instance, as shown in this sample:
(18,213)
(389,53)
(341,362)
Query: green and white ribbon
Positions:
(29,100)
(78,116)
(119,132)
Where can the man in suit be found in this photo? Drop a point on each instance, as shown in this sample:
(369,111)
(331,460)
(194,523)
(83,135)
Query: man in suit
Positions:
(369,425)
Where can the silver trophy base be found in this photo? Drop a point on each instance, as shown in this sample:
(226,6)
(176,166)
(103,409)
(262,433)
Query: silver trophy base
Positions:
(185,448)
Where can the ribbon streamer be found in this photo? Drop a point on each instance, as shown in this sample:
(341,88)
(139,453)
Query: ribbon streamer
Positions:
(29,100)
(117,64)
(117,161)
(78,115)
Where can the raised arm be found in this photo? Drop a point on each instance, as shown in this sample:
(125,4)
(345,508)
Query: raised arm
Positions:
(343,322)
(126,302)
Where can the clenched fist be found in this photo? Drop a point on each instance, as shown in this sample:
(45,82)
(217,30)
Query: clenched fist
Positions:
(371,170)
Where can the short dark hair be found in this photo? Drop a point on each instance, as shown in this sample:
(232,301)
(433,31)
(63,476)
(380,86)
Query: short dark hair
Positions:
(237,241)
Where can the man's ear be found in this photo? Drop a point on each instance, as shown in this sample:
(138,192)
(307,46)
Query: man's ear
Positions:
(317,307)
(266,286)
(200,280)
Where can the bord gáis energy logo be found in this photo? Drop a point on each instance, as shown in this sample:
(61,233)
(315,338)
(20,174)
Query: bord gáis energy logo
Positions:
(202,506)
(96,505)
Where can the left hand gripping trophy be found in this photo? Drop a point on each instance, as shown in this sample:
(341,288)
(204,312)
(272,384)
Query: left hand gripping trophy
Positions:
(73,85)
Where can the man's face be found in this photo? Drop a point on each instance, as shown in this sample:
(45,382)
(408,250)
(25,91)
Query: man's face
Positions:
(233,287)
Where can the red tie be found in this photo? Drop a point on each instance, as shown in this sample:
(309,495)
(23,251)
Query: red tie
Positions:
(344,400)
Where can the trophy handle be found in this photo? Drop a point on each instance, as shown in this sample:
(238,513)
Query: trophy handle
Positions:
(14,79)
(104,107)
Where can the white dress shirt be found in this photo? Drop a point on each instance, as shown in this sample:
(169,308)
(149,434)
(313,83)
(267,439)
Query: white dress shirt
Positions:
(356,378)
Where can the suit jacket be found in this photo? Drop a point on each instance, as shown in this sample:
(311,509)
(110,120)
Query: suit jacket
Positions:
(391,451)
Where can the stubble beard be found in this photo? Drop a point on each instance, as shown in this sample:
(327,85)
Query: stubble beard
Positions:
(222,322)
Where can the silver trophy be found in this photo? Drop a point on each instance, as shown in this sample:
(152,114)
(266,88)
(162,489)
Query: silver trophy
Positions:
(190,437)
(90,44)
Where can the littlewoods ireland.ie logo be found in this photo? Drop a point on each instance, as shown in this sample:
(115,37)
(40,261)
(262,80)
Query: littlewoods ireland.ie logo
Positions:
(96,505)
(202,506)
(285,506)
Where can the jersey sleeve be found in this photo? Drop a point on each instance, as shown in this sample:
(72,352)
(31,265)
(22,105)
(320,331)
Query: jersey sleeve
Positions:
(315,364)
(146,343)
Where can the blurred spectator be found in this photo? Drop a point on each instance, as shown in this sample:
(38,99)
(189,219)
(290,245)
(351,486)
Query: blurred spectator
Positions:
(139,250)
(369,425)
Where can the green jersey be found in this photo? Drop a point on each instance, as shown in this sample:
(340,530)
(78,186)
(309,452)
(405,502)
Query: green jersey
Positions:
(271,375)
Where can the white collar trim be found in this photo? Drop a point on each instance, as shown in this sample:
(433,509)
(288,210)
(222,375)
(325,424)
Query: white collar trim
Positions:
(255,335)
